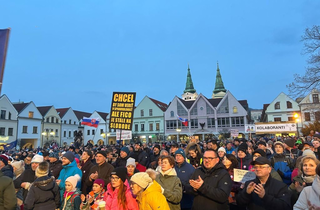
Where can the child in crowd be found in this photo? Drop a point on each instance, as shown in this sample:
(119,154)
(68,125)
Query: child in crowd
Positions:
(92,200)
(71,197)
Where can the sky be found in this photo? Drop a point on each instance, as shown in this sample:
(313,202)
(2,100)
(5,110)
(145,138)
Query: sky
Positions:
(76,53)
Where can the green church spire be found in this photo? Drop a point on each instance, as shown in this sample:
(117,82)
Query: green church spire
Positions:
(189,83)
(219,84)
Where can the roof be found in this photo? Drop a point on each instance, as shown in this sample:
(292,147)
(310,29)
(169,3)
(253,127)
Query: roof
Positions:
(263,114)
(214,101)
(187,104)
(159,104)
(103,115)
(19,107)
(62,111)
(80,115)
(244,103)
(43,109)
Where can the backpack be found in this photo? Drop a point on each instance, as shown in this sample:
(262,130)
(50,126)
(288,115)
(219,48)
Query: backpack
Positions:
(283,165)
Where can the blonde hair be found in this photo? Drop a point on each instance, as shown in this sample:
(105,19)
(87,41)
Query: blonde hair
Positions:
(309,157)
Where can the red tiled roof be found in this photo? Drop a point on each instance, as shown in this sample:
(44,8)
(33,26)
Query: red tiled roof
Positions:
(160,104)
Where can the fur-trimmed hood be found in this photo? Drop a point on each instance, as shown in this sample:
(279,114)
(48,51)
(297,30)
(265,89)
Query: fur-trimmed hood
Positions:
(45,183)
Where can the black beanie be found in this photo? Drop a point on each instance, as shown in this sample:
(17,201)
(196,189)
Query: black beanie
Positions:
(121,172)
(243,147)
(69,155)
(289,142)
(261,152)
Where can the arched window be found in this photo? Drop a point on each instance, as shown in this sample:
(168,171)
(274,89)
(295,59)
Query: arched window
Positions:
(235,109)
(289,105)
(277,105)
(172,114)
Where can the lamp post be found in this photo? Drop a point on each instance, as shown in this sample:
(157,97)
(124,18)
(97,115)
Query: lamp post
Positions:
(178,131)
(296,116)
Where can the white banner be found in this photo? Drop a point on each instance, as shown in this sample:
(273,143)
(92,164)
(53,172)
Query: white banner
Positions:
(125,134)
(281,127)
(234,132)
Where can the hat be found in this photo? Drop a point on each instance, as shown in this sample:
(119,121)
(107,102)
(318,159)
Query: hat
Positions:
(308,152)
(69,155)
(261,161)
(42,169)
(308,143)
(19,165)
(139,143)
(142,179)
(270,142)
(54,155)
(45,153)
(73,180)
(174,144)
(279,143)
(236,139)
(103,153)
(181,152)
(121,172)
(289,142)
(262,142)
(4,159)
(243,147)
(157,146)
(261,152)
(131,161)
(125,149)
(222,149)
(99,182)
(37,159)
(317,135)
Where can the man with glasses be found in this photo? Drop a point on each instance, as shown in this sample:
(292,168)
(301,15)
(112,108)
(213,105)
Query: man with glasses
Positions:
(211,184)
(27,161)
(264,192)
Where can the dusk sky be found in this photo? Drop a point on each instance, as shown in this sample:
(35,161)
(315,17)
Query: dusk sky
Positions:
(75,53)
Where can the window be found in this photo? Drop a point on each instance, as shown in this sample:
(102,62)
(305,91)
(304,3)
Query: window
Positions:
(101,131)
(307,116)
(9,116)
(315,98)
(237,121)
(277,105)
(290,119)
(2,131)
(194,111)
(65,122)
(70,122)
(141,113)
(3,114)
(24,129)
(10,132)
(151,127)
(47,119)
(150,112)
(88,132)
(136,127)
(93,132)
(223,122)
(30,114)
(157,126)
(211,122)
(194,123)
(52,119)
(35,129)
(69,133)
(289,105)
(171,124)
(209,110)
(57,120)
(57,132)
(277,119)
(181,110)
(142,127)
(317,115)
(224,108)
(64,133)
(235,110)
(74,122)
(172,114)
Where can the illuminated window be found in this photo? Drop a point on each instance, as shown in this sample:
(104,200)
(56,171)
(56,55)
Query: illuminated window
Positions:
(235,109)
(30,114)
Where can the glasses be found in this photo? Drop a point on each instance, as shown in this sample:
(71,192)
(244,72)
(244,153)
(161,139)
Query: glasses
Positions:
(260,167)
(115,178)
(209,158)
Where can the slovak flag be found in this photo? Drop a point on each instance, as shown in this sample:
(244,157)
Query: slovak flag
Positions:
(183,121)
(92,122)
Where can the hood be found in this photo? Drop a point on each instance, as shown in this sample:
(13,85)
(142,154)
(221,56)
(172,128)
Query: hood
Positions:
(72,164)
(45,183)
(170,172)
(153,187)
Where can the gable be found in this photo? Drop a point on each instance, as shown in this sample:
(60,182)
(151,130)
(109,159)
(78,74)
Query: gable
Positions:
(281,103)
(31,107)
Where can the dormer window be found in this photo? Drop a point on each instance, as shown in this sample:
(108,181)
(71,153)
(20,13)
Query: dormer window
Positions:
(277,105)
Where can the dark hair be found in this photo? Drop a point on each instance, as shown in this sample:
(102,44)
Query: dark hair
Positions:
(211,150)
(318,170)
(30,156)
(89,153)
(233,160)
(170,159)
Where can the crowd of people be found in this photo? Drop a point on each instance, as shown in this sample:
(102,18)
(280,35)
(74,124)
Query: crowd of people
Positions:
(165,175)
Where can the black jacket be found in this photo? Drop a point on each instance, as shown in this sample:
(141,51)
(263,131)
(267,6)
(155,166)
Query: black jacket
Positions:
(85,168)
(277,196)
(141,157)
(27,176)
(244,163)
(121,162)
(104,172)
(43,194)
(55,168)
(7,171)
(214,192)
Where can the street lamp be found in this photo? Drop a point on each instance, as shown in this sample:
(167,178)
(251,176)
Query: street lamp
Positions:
(106,136)
(178,131)
(296,116)
(47,134)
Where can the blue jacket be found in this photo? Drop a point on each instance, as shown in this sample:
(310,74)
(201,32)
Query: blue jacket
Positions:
(67,171)
(184,172)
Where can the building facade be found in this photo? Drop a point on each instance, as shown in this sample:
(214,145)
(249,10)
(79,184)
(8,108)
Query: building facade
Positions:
(310,107)
(8,121)
(69,124)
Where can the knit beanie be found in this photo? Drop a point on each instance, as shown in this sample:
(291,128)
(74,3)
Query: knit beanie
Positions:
(73,180)
(289,142)
(99,182)
(121,172)
(261,152)
(279,143)
(4,159)
(142,179)
(19,166)
(243,147)
(308,152)
(157,146)
(37,159)
(103,153)
(42,169)
(131,161)
(181,152)
(222,149)
(126,150)
(54,155)
(69,155)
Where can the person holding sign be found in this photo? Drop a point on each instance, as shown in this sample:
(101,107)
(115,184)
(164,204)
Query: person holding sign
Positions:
(264,192)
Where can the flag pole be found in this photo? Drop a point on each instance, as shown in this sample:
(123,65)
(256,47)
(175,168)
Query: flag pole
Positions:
(4,58)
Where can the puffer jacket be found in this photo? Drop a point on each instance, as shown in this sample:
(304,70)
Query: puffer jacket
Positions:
(43,194)
(172,187)
(244,163)
(309,197)
(152,198)
(8,199)
(111,199)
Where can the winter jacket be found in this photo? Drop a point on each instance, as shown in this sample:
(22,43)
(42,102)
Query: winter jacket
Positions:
(55,168)
(27,176)
(8,199)
(141,157)
(284,166)
(309,196)
(85,168)
(7,171)
(111,199)
(43,194)
(184,172)
(104,171)
(98,197)
(152,198)
(215,190)
(244,163)
(172,187)
(121,162)
(308,180)
(277,196)
(71,201)
(67,171)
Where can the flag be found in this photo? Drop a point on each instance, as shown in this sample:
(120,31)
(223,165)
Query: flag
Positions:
(9,146)
(92,122)
(4,37)
(183,120)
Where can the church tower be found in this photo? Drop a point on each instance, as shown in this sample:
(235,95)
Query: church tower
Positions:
(189,93)
(219,90)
